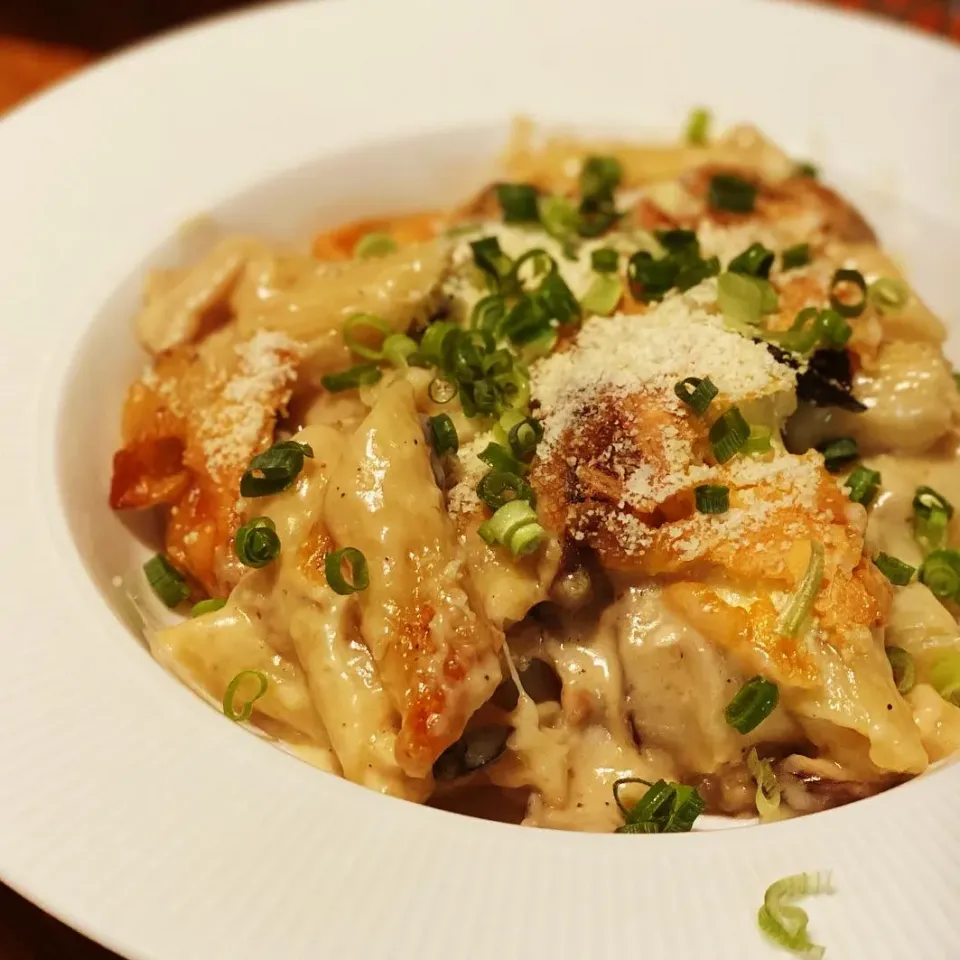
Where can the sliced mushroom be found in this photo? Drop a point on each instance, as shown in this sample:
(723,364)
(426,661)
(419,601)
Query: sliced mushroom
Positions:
(475,749)
(539,680)
(810,785)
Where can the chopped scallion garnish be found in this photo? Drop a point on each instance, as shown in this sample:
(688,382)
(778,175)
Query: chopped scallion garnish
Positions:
(712,498)
(941,573)
(664,807)
(745,299)
(515,526)
(932,513)
(603,295)
(374,245)
(805,168)
(362,375)
(605,260)
(398,348)
(888,294)
(359,576)
(488,256)
(207,606)
(794,257)
(443,434)
(758,442)
(242,712)
(838,453)
(698,127)
(840,297)
(518,202)
(945,676)
(731,193)
(524,437)
(360,321)
(257,543)
(696,393)
(166,580)
(488,313)
(753,703)
(862,485)
(904,669)
(797,611)
(755,261)
(786,924)
(767,798)
(275,469)
(728,434)
(498,487)
(498,457)
(896,571)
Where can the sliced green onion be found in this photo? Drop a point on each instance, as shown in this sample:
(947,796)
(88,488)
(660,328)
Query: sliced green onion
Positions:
(834,330)
(441,390)
(556,299)
(904,669)
(275,469)
(945,676)
(524,437)
(242,713)
(712,498)
(786,924)
(932,513)
(443,434)
(805,168)
(812,327)
(844,308)
(802,601)
(498,487)
(696,393)
(605,260)
(896,571)
(488,313)
(374,245)
(728,434)
(488,256)
(679,241)
(559,218)
(508,420)
(166,580)
(767,798)
(888,294)
(603,295)
(753,703)
(499,458)
(838,453)
(207,606)
(698,127)
(397,348)
(755,261)
(690,274)
(541,265)
(599,177)
(362,375)
(758,442)
(731,193)
(359,321)
(956,380)
(518,202)
(862,485)
(433,340)
(740,298)
(650,279)
(515,526)
(664,808)
(794,257)
(941,573)
(333,564)
(257,543)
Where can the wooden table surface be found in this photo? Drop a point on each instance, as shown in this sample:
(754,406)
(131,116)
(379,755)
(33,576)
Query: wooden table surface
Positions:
(26,67)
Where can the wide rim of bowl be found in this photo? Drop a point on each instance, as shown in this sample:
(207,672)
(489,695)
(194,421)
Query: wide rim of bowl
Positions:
(131,819)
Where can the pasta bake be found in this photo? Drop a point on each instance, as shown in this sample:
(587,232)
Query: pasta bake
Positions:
(620,494)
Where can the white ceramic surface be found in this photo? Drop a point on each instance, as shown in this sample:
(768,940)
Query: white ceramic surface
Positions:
(136,813)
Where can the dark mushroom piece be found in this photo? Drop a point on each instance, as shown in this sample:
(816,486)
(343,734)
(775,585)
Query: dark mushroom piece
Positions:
(539,680)
(475,749)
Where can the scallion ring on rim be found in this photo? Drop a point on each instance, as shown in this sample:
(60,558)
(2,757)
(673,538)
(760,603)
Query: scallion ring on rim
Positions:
(728,434)
(499,487)
(362,375)
(945,676)
(443,434)
(753,703)
(767,799)
(941,573)
(896,571)
(374,245)
(888,294)
(230,710)
(696,393)
(333,564)
(698,127)
(397,348)
(441,390)
(515,526)
(664,807)
(797,611)
(794,257)
(755,261)
(842,304)
(359,321)
(207,606)
(904,669)
(759,441)
(167,582)
(275,469)
(605,260)
(838,453)
(862,485)
(786,924)
(256,543)
(603,295)
(712,498)
(731,193)
(518,202)
(932,513)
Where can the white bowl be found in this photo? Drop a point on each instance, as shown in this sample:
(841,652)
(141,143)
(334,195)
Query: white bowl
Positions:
(137,813)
